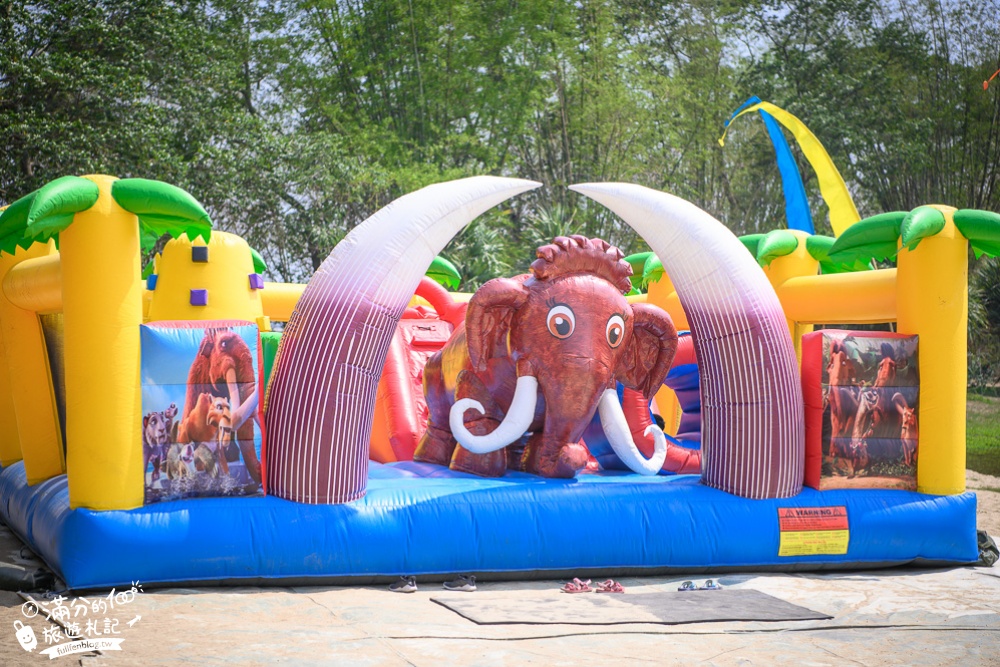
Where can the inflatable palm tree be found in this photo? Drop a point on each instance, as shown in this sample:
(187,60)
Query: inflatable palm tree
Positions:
(101,224)
(161,208)
(930,247)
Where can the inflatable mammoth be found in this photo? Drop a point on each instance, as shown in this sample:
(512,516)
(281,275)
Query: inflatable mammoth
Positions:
(537,356)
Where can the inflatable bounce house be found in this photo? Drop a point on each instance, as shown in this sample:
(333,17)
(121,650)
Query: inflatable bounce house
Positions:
(156,429)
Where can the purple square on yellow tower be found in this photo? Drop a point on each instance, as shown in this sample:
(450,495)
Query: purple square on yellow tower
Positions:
(199,297)
(256,281)
(199,253)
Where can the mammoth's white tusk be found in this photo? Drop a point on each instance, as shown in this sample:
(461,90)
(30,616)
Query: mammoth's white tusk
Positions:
(248,408)
(620,436)
(514,425)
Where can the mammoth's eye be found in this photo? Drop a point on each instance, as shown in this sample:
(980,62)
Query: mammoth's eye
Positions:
(561,321)
(616,330)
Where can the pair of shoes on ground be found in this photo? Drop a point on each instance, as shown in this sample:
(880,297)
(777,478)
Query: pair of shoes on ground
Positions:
(709,585)
(577,586)
(409,584)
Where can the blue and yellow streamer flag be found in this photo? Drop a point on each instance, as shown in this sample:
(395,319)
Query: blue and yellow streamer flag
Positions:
(834,191)
(796,205)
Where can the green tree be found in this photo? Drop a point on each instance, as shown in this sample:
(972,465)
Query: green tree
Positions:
(145,88)
(893,90)
(292,122)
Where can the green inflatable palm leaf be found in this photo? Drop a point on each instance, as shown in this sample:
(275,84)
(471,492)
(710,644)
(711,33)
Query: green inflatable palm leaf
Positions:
(148,270)
(259,265)
(45,212)
(751,241)
(13,222)
(637,261)
(775,244)
(981,228)
(920,223)
(11,242)
(162,209)
(147,239)
(876,237)
(981,248)
(818,248)
(652,270)
(444,273)
(56,203)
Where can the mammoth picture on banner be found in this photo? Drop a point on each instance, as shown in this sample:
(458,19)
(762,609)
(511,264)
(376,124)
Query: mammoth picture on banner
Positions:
(199,401)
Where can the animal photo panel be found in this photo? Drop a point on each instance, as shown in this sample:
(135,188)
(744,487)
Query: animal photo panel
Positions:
(871,390)
(200,398)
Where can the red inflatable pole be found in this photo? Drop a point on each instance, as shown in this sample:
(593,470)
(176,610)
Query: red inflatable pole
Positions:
(679,459)
(447,308)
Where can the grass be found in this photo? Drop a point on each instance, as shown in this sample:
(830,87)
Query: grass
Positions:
(983,434)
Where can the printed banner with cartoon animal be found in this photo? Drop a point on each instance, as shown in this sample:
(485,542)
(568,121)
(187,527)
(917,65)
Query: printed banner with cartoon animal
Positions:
(861,390)
(200,400)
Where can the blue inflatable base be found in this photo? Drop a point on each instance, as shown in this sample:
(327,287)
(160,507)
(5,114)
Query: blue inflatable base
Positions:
(425,520)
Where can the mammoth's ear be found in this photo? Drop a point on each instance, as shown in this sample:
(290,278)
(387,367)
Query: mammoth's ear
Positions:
(646,361)
(488,319)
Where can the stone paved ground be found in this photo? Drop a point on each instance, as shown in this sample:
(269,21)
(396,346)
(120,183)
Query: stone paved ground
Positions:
(885,617)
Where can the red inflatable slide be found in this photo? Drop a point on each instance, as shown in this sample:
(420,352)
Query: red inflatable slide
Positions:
(400,408)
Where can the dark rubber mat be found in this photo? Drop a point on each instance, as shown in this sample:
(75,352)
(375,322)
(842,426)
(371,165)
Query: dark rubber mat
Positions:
(614,609)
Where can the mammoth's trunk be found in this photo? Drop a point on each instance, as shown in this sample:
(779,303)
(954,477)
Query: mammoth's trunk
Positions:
(513,426)
(620,437)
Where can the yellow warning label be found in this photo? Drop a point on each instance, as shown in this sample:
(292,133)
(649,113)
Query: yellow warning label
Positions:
(814,542)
